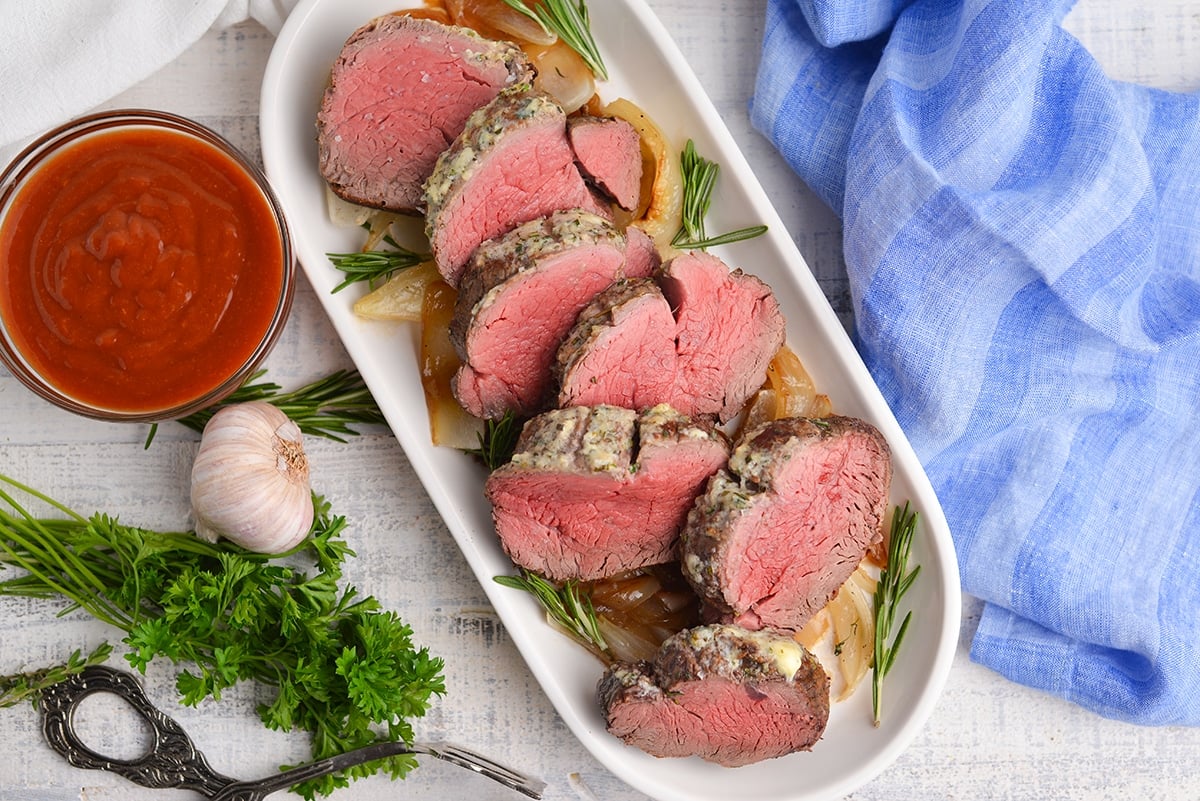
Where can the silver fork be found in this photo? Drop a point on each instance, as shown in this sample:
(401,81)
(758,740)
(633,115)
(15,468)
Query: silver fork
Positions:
(173,761)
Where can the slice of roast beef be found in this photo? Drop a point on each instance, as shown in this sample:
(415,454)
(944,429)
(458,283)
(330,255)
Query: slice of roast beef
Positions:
(511,164)
(642,259)
(621,350)
(519,297)
(777,533)
(399,93)
(721,693)
(595,491)
(728,328)
(609,153)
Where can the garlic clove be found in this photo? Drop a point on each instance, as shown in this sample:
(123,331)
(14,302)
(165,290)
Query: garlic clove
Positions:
(250,479)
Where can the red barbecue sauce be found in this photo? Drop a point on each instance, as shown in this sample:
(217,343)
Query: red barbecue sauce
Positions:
(140,269)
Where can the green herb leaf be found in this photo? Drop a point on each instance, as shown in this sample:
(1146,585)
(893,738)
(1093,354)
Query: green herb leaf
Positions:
(328,407)
(345,671)
(565,605)
(699,180)
(569,21)
(374,266)
(498,440)
(29,686)
(894,582)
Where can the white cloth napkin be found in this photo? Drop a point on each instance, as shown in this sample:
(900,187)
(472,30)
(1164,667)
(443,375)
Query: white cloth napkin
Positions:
(59,58)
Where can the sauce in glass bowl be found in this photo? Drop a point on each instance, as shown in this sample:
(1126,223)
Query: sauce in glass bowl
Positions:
(145,266)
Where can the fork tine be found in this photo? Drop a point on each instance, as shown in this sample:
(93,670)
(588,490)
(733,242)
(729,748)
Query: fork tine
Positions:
(478,763)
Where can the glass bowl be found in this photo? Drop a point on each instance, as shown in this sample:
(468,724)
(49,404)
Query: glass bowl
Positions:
(146,267)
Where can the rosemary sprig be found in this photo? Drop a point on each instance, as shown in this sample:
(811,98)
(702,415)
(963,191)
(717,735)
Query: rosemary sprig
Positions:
(894,582)
(19,687)
(326,408)
(498,440)
(699,180)
(565,605)
(374,266)
(567,19)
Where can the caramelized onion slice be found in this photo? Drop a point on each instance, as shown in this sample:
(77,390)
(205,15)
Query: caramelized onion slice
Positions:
(815,630)
(345,214)
(852,611)
(624,594)
(449,424)
(626,643)
(795,391)
(638,609)
(562,74)
(401,297)
(495,19)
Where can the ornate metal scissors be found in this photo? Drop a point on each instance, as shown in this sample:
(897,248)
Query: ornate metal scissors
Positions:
(174,762)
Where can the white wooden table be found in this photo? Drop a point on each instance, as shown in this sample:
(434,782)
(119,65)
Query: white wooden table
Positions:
(988,739)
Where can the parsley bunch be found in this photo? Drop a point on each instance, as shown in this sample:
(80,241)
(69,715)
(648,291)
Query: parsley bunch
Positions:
(345,670)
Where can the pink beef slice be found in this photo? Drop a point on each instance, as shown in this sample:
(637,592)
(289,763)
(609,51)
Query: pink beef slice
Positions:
(519,297)
(778,532)
(511,164)
(399,93)
(595,491)
(722,693)
(728,328)
(621,350)
(609,153)
(642,259)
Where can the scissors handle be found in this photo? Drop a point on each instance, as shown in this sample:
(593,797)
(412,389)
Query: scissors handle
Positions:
(172,760)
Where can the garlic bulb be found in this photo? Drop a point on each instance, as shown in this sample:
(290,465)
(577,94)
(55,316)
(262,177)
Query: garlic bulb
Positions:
(250,479)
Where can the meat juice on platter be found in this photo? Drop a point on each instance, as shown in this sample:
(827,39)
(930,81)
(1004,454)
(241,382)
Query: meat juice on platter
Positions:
(521,208)
(605,410)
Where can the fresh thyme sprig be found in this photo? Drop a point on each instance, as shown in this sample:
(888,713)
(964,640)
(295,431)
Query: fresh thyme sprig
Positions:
(699,180)
(328,407)
(498,440)
(343,669)
(568,20)
(565,605)
(374,266)
(894,582)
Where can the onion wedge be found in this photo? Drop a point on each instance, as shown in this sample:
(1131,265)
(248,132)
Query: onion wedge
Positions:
(449,423)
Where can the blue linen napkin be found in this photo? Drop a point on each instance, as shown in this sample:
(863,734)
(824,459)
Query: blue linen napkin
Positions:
(1022,237)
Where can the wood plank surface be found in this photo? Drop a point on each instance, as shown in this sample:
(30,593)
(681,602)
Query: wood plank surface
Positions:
(988,738)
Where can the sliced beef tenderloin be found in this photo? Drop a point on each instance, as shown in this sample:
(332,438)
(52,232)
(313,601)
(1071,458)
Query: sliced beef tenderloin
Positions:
(511,164)
(595,491)
(609,153)
(519,297)
(621,350)
(399,93)
(777,533)
(642,259)
(728,328)
(724,694)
